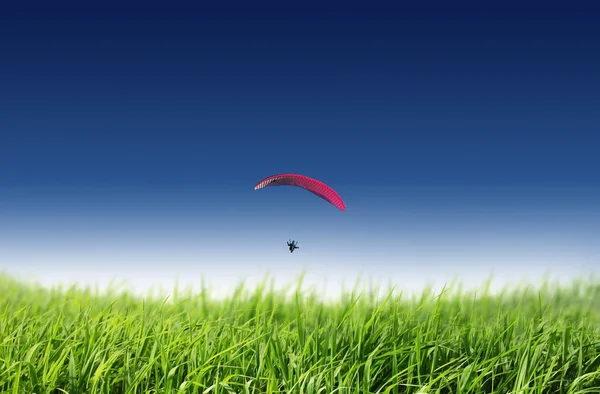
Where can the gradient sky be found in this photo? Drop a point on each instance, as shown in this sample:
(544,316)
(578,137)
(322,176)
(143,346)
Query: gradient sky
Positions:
(463,140)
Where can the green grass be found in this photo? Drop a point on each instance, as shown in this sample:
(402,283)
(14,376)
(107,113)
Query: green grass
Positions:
(544,340)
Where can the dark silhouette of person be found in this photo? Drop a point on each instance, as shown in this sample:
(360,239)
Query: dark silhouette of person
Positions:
(292,245)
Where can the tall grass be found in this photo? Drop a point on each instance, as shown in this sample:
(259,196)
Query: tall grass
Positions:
(72,340)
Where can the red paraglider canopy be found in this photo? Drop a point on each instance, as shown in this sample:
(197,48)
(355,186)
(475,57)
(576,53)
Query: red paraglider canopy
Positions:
(312,185)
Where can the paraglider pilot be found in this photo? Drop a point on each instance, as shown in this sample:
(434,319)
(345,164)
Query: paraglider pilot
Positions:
(292,245)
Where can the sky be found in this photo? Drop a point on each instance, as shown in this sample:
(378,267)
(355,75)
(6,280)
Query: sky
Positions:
(464,141)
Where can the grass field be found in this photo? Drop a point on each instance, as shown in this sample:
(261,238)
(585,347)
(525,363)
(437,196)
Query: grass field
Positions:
(70,340)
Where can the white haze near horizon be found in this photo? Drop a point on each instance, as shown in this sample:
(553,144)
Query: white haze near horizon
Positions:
(158,276)
(151,246)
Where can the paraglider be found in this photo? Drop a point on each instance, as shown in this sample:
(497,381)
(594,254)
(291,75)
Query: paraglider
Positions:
(314,186)
(292,245)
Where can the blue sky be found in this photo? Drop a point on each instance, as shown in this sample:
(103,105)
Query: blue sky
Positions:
(461,139)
